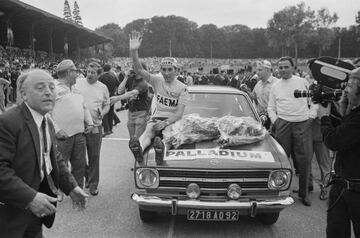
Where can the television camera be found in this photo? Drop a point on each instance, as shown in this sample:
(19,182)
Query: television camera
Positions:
(331,76)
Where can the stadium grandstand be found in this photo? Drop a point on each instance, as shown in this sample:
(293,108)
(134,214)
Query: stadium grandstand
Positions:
(27,27)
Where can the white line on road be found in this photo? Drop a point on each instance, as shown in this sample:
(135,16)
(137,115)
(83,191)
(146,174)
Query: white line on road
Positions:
(171,227)
(116,139)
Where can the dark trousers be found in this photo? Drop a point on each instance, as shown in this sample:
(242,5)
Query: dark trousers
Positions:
(296,137)
(107,120)
(93,146)
(137,122)
(34,230)
(34,227)
(116,119)
(342,211)
(73,149)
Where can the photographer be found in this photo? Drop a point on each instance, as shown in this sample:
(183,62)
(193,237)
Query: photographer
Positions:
(344,205)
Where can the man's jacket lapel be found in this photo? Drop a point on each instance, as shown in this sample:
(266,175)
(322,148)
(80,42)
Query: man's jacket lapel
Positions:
(29,120)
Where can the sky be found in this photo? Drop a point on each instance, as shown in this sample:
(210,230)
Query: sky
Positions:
(253,13)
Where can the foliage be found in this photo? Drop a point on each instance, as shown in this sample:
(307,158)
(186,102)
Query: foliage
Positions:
(323,36)
(67,11)
(76,14)
(119,45)
(295,31)
(291,27)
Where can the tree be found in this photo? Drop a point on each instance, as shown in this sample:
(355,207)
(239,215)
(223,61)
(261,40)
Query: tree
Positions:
(291,27)
(323,36)
(67,11)
(357,20)
(213,41)
(119,45)
(240,41)
(76,14)
(174,34)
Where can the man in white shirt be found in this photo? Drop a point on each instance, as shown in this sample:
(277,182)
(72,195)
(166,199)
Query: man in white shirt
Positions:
(71,117)
(96,98)
(262,90)
(292,118)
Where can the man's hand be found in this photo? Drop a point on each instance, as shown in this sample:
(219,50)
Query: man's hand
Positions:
(60,135)
(344,104)
(135,39)
(324,111)
(99,114)
(79,197)
(41,205)
(133,94)
(159,125)
(114,99)
(88,128)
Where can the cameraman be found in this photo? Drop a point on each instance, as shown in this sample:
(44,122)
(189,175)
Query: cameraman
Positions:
(344,199)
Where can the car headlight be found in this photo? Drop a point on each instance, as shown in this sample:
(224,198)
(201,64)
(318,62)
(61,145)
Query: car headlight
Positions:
(234,191)
(147,178)
(279,179)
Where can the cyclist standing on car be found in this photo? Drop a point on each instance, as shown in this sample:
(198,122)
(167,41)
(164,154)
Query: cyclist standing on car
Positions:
(171,99)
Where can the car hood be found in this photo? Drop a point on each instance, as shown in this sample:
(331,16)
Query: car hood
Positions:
(265,154)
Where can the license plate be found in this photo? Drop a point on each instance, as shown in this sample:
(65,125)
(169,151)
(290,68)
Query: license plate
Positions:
(213,215)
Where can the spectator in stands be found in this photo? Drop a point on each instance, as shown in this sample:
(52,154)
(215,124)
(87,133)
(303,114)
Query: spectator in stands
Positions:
(4,84)
(180,77)
(189,79)
(5,74)
(292,120)
(15,73)
(96,98)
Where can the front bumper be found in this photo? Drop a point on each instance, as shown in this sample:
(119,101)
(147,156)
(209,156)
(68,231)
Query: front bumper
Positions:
(175,206)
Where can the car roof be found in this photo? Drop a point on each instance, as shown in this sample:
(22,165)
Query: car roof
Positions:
(214,89)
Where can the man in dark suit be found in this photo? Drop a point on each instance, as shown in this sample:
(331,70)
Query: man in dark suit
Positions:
(31,168)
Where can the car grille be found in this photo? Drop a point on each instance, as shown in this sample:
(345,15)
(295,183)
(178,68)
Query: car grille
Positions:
(214,179)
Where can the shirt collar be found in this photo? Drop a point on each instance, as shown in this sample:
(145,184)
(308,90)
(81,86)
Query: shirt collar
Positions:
(38,118)
(269,80)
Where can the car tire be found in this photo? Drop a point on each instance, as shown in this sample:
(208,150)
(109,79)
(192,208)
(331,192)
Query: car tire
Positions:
(147,216)
(268,218)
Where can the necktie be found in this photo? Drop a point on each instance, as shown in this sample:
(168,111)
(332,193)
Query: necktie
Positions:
(43,129)
(44,160)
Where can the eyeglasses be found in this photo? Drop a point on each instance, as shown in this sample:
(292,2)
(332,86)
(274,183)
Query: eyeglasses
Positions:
(167,69)
(284,67)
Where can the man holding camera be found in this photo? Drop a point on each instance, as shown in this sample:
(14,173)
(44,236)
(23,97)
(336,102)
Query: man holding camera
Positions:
(344,205)
(291,118)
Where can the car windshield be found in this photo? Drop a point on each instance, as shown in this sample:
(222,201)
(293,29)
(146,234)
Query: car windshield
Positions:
(219,105)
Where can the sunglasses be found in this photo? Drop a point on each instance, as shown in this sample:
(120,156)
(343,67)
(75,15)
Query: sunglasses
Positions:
(167,69)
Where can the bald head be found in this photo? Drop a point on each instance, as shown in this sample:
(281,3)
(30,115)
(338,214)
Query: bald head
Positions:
(37,90)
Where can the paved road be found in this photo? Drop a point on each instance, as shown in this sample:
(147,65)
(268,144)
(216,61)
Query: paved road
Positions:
(113,214)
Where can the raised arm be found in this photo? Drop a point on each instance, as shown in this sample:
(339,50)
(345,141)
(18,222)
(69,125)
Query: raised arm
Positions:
(135,39)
